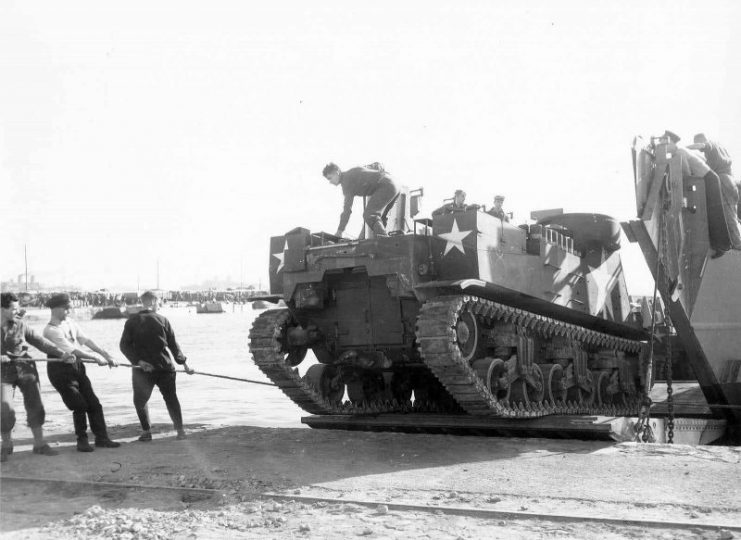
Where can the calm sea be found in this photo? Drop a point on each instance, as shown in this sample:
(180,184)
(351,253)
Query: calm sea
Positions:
(213,343)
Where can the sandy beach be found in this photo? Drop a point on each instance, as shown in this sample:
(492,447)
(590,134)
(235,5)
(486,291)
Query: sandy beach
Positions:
(300,483)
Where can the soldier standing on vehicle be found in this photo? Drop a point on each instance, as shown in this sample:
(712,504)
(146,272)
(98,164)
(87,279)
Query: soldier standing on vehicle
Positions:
(372,182)
(720,162)
(457,205)
(146,337)
(19,371)
(71,380)
(497,211)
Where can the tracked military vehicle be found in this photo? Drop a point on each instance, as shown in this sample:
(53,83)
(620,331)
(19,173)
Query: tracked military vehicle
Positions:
(463,313)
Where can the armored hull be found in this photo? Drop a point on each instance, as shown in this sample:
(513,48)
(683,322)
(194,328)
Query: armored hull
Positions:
(461,314)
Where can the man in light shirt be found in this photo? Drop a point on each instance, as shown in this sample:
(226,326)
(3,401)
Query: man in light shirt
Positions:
(71,381)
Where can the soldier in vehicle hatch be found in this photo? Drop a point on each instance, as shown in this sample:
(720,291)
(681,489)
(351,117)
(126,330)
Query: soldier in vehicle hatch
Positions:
(497,211)
(370,181)
(458,205)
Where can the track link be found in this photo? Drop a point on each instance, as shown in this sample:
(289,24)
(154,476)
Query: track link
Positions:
(269,354)
(436,339)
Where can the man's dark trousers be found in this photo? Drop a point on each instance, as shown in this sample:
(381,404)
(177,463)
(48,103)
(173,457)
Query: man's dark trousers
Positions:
(379,203)
(72,383)
(144,383)
(25,377)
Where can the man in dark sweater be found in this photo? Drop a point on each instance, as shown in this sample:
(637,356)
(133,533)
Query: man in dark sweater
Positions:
(372,182)
(146,337)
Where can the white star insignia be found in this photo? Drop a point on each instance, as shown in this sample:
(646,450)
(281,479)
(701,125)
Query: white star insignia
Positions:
(454,238)
(280,256)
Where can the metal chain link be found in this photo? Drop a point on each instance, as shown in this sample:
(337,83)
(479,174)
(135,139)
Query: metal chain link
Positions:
(669,393)
(664,284)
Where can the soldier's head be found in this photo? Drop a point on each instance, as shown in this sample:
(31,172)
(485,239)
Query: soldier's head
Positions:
(498,201)
(459,198)
(10,307)
(60,305)
(150,300)
(673,137)
(331,172)
(700,138)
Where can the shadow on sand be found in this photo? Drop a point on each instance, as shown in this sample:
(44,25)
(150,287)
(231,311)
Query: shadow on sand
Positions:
(241,459)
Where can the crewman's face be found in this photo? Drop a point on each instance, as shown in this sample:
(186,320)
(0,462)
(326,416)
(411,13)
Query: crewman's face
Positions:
(60,313)
(333,177)
(498,203)
(9,313)
(460,199)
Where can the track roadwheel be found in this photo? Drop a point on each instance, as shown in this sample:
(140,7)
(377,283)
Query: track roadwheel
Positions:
(555,391)
(523,393)
(366,388)
(607,389)
(401,387)
(492,372)
(326,381)
(322,354)
(469,339)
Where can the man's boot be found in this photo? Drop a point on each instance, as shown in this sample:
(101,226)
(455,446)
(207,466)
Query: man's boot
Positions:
(83,445)
(379,229)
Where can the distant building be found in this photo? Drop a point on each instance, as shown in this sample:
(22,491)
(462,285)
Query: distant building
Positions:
(20,284)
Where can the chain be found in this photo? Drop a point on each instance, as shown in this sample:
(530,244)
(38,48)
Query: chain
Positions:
(663,277)
(669,393)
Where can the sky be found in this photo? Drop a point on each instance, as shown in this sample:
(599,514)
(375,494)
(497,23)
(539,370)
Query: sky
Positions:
(188,133)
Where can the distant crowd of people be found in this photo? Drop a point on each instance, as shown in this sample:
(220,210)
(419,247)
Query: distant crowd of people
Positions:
(103,299)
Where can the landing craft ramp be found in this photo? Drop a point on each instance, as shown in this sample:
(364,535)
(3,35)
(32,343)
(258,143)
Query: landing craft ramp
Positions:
(683,235)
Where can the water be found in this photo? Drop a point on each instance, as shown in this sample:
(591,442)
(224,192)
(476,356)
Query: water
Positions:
(213,343)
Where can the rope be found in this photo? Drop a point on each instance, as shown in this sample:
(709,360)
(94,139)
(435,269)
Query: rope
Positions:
(215,375)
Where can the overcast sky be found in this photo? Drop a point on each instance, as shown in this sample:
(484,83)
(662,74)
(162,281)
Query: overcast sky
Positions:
(190,132)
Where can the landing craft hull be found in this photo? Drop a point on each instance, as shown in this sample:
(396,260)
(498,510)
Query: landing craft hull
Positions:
(676,231)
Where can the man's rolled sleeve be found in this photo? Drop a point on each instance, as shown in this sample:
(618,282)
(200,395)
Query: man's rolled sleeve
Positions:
(346,211)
